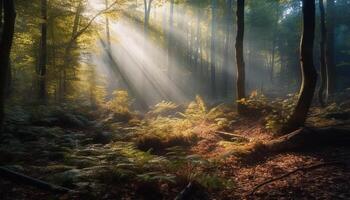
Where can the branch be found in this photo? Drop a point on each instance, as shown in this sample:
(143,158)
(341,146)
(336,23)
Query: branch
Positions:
(303,169)
(81,31)
(23,179)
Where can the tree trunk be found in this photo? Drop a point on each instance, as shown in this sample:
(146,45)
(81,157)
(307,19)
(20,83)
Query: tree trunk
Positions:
(225,71)
(170,40)
(309,75)
(43,52)
(323,68)
(5,50)
(67,52)
(147,7)
(1,15)
(331,66)
(239,54)
(213,49)
(108,34)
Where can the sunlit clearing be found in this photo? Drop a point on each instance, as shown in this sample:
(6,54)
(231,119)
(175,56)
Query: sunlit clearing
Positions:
(142,65)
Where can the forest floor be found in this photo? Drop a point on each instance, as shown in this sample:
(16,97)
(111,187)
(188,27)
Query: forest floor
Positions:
(106,158)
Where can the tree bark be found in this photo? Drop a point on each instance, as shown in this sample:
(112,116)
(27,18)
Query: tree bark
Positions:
(330,54)
(5,50)
(1,14)
(323,68)
(240,55)
(225,71)
(309,75)
(43,53)
(213,49)
(147,7)
(170,40)
(108,34)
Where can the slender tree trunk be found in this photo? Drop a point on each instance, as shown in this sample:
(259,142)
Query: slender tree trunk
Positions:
(196,53)
(1,15)
(67,52)
(43,52)
(147,7)
(239,54)
(330,54)
(323,41)
(5,50)
(309,75)
(170,40)
(213,49)
(108,34)
(225,71)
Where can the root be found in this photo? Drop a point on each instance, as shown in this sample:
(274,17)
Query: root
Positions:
(301,169)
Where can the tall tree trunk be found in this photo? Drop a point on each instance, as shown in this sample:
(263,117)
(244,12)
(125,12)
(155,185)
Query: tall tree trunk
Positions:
(309,75)
(225,71)
(67,52)
(5,50)
(1,15)
(330,54)
(213,49)
(147,7)
(323,41)
(170,40)
(239,54)
(43,52)
(108,34)
(331,66)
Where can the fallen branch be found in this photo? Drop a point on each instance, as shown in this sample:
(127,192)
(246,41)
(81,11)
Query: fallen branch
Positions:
(23,179)
(230,136)
(303,169)
(185,192)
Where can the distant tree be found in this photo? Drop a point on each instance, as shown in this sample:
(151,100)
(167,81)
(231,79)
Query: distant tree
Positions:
(213,48)
(170,39)
(330,52)
(323,68)
(108,34)
(239,53)
(147,8)
(43,52)
(309,75)
(5,50)
(1,5)
(228,24)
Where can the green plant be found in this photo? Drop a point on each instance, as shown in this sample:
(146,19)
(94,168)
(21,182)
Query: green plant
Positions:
(120,103)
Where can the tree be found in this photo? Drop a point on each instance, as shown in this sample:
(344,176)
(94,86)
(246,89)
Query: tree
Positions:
(331,66)
(170,40)
(228,20)
(323,68)
(213,49)
(108,34)
(309,75)
(147,7)
(239,54)
(43,52)
(5,50)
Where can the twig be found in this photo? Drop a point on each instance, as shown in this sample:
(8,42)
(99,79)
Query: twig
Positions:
(226,135)
(23,179)
(304,169)
(185,192)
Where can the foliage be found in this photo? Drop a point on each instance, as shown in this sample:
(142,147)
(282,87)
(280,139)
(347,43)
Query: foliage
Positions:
(276,111)
(120,103)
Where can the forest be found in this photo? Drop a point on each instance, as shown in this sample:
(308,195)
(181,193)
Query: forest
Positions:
(174,99)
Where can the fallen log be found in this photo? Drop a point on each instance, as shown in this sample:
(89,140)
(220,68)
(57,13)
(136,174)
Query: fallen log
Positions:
(303,139)
(310,138)
(24,179)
